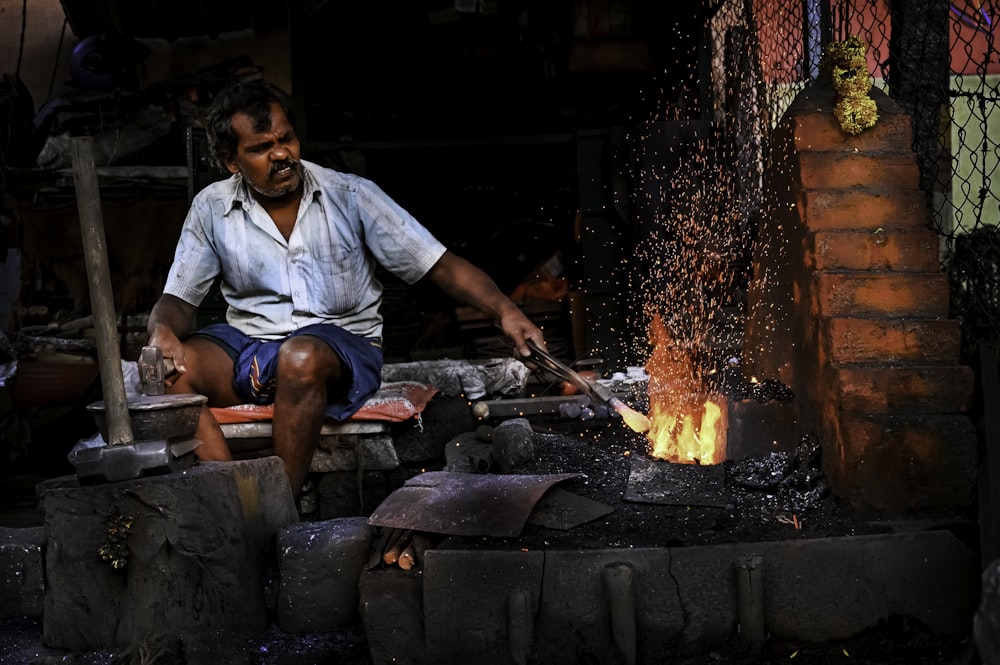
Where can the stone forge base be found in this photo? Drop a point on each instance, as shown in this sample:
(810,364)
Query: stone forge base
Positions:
(190,547)
(642,606)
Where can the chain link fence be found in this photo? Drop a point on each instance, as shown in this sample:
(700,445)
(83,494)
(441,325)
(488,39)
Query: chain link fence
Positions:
(938,60)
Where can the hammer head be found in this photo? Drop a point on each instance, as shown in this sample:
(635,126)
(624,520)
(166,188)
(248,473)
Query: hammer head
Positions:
(152,370)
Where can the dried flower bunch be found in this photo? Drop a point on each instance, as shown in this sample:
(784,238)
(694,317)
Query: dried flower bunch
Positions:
(854,109)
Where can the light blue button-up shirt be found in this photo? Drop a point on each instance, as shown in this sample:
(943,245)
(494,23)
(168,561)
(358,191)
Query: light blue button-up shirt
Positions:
(323,273)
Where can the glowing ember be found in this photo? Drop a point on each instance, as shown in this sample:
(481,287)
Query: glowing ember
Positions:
(687,425)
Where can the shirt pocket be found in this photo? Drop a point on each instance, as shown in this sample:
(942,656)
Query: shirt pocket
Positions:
(331,277)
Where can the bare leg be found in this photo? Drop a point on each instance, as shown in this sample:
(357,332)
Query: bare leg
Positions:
(307,369)
(210,373)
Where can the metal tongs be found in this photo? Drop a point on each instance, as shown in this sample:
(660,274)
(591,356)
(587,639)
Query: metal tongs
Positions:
(635,420)
(548,362)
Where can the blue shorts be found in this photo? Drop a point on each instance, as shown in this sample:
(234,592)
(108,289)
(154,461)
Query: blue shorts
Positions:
(255,364)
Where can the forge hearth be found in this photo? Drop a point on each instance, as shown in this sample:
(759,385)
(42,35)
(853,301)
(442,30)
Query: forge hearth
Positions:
(648,579)
(669,483)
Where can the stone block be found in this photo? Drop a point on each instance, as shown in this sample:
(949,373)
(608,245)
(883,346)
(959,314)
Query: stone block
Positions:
(900,464)
(857,293)
(860,209)
(194,550)
(912,250)
(836,169)
(376,451)
(392,610)
(684,600)
(467,597)
(22,579)
(321,564)
(918,389)
(513,444)
(891,341)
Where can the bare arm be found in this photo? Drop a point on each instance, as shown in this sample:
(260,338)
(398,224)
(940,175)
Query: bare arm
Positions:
(171,319)
(471,286)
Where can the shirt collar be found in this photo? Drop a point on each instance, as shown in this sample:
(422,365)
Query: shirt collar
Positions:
(241,197)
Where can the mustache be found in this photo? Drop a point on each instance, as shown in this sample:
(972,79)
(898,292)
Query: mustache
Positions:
(291,162)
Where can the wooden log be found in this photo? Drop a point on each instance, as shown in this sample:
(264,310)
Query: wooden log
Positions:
(396,546)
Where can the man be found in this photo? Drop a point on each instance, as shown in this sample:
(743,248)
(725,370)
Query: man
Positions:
(295,246)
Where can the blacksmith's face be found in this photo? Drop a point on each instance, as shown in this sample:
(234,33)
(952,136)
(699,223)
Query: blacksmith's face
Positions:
(267,159)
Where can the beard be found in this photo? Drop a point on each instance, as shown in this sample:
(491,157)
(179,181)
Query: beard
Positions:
(276,190)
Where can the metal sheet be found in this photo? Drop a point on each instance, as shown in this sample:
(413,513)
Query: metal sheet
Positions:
(669,483)
(563,510)
(465,504)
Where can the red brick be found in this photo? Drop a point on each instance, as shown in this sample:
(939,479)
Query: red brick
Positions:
(899,388)
(831,170)
(913,250)
(900,464)
(811,121)
(890,341)
(856,293)
(866,208)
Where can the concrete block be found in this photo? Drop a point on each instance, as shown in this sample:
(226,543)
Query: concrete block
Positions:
(22,579)
(392,610)
(321,564)
(193,548)
(684,600)
(467,595)
(341,453)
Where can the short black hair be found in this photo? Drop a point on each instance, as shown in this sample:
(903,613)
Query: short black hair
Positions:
(254,98)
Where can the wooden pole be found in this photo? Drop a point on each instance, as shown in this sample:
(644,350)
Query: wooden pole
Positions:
(88,201)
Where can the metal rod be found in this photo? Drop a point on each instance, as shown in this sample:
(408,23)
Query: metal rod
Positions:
(88,201)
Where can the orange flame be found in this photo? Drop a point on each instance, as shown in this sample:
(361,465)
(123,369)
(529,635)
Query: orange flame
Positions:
(687,426)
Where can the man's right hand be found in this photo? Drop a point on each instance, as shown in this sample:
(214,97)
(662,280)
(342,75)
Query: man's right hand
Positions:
(169,315)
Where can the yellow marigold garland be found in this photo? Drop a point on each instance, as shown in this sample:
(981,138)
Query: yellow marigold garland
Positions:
(854,109)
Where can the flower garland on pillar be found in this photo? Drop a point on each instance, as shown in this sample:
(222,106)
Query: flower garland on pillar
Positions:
(854,108)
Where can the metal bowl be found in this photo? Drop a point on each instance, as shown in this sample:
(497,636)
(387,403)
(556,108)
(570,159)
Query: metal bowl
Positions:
(156,417)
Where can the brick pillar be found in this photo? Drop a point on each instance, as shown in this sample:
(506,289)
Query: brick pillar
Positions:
(849,308)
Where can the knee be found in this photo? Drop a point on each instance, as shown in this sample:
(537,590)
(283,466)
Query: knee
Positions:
(305,361)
